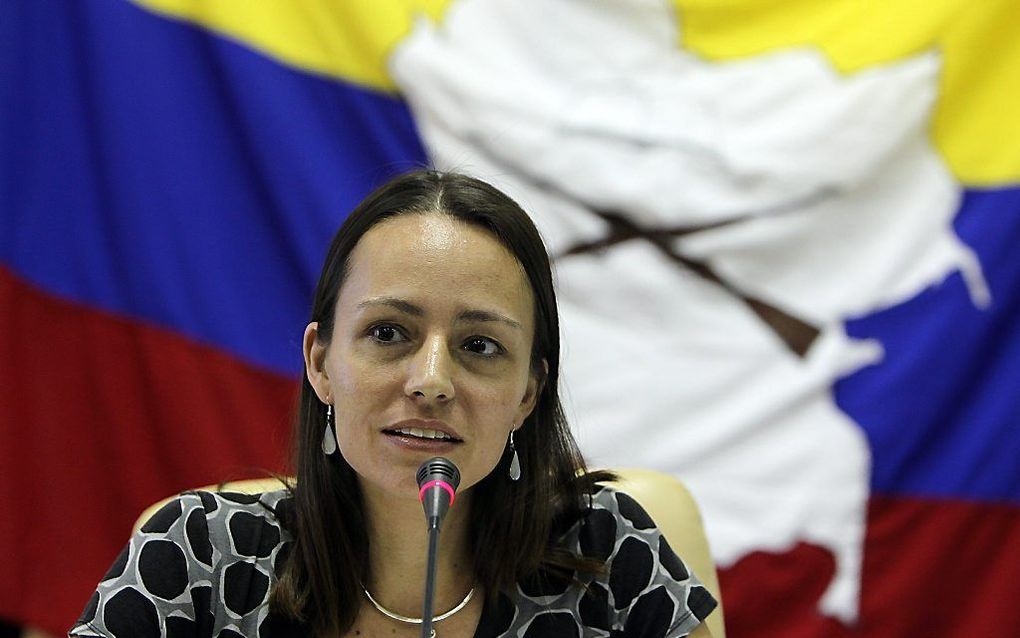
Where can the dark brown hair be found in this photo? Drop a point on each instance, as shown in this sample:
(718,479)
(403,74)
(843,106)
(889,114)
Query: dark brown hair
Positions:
(321,581)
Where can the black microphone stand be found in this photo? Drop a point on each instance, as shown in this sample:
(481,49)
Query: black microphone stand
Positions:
(430,580)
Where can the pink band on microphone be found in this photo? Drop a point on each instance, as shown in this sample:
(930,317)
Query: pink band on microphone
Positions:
(442,484)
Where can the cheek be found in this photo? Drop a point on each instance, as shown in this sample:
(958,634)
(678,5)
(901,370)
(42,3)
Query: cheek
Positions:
(495,395)
(359,390)
(496,410)
(359,400)
(351,366)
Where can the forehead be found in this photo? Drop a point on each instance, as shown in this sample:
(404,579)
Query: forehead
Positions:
(438,261)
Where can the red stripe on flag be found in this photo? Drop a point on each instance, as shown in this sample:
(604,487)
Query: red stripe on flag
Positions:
(776,594)
(946,568)
(931,568)
(101,417)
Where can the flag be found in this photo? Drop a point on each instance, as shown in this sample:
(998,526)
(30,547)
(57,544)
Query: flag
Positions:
(781,236)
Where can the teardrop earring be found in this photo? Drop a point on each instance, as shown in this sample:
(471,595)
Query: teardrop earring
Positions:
(515,461)
(329,435)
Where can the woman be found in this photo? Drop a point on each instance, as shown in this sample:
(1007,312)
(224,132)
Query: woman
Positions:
(434,331)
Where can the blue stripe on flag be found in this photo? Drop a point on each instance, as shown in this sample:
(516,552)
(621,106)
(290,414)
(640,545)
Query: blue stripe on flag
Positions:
(942,411)
(157,170)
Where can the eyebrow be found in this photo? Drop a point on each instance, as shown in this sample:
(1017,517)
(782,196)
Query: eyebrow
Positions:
(409,308)
(405,307)
(486,315)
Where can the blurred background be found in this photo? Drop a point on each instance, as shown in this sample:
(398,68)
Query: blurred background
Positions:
(784,235)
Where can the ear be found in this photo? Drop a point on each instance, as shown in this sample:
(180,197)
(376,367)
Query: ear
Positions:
(315,362)
(536,381)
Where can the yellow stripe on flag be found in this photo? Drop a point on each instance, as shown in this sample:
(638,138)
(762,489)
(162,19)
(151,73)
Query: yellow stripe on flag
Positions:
(977,119)
(346,39)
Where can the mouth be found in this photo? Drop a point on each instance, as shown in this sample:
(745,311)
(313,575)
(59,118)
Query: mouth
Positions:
(423,431)
(423,434)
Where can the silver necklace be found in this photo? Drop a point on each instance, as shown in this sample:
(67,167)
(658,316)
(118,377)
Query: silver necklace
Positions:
(417,621)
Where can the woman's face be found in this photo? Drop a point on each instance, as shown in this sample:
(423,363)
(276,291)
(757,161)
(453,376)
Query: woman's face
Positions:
(430,354)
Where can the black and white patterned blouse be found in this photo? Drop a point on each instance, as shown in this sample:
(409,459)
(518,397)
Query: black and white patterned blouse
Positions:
(204,565)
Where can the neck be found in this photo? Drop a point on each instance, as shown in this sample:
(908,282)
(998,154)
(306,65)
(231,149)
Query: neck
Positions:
(398,541)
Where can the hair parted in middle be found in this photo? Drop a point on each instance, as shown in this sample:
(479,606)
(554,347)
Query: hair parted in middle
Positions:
(513,524)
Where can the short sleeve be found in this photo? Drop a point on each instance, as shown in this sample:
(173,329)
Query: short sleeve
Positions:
(653,593)
(203,565)
(160,584)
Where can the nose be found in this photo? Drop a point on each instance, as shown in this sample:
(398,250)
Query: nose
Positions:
(429,377)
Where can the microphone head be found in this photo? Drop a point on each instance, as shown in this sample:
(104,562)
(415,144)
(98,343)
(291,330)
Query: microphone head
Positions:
(439,469)
(438,480)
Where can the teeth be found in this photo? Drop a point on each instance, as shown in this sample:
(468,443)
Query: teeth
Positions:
(425,434)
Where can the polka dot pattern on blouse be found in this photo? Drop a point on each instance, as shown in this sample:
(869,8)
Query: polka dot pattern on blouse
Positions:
(204,565)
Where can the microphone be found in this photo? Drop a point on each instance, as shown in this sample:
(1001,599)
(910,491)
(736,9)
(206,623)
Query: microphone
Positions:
(438,480)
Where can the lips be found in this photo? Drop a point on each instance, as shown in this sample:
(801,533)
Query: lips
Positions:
(423,434)
(425,430)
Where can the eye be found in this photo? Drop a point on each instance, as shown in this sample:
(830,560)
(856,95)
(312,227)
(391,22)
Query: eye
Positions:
(483,346)
(386,333)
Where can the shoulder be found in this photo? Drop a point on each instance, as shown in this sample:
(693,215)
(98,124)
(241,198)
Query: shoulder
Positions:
(611,518)
(645,590)
(199,555)
(213,527)
(647,584)
(243,524)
